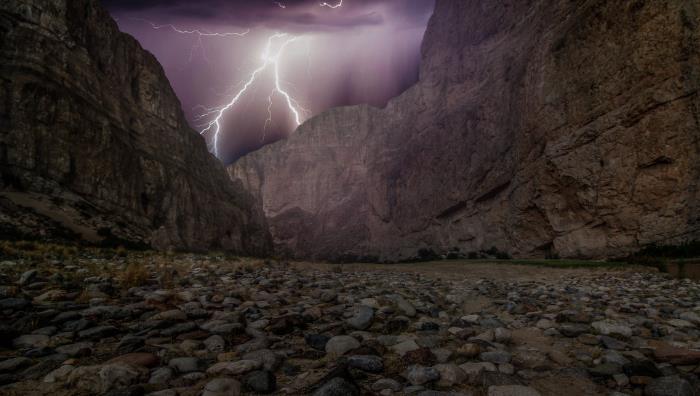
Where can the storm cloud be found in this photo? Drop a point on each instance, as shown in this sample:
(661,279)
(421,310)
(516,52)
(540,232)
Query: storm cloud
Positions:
(363,52)
(293,15)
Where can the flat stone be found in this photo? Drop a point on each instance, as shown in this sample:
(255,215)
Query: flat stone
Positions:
(368,363)
(404,306)
(161,376)
(469,350)
(690,316)
(29,341)
(573,329)
(362,317)
(677,356)
(386,383)
(59,375)
(680,323)
(267,358)
(27,277)
(669,386)
(234,368)
(496,357)
(613,343)
(473,370)
(606,327)
(76,350)
(171,315)
(339,345)
(405,347)
(222,387)
(143,359)
(104,378)
(512,390)
(14,304)
(337,386)
(253,345)
(215,343)
(50,296)
(98,332)
(420,375)
(645,368)
(501,335)
(260,381)
(605,370)
(185,364)
(450,374)
(14,364)
(317,341)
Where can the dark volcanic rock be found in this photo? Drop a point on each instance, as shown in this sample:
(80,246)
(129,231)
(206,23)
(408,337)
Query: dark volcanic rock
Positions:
(94,144)
(572,131)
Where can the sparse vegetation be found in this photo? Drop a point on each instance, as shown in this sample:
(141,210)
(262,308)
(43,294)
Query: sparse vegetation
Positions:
(660,256)
(135,274)
(10,250)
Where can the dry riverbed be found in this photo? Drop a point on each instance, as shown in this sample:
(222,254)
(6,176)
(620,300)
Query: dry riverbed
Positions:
(124,323)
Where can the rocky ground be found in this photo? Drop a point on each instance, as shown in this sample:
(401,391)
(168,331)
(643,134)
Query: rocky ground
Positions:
(140,323)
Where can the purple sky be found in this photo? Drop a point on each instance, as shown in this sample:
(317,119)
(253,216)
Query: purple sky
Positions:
(362,52)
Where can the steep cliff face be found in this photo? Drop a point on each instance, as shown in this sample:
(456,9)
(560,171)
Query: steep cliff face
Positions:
(93,142)
(546,127)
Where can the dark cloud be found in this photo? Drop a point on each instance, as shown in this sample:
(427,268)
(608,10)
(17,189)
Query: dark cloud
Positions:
(297,14)
(367,51)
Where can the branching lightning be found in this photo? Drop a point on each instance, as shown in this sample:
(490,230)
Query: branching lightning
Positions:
(201,34)
(334,6)
(270,59)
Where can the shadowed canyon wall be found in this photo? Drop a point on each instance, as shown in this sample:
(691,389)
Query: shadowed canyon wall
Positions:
(541,128)
(94,145)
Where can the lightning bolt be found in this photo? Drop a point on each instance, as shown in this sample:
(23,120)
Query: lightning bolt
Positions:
(279,4)
(201,34)
(270,59)
(334,6)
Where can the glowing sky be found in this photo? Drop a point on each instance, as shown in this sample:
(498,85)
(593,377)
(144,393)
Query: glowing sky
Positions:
(363,52)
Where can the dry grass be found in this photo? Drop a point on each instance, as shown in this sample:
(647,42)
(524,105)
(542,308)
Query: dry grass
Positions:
(136,274)
(168,272)
(132,268)
(338,269)
(121,251)
(36,251)
(83,298)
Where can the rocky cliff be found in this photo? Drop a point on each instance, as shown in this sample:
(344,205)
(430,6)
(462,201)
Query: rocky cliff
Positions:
(541,128)
(94,145)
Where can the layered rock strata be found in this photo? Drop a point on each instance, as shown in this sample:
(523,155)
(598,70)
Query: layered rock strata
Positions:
(94,144)
(540,128)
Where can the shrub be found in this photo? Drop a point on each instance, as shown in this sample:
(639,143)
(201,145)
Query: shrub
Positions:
(135,275)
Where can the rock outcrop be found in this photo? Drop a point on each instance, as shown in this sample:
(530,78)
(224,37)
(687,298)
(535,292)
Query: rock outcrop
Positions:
(540,128)
(94,144)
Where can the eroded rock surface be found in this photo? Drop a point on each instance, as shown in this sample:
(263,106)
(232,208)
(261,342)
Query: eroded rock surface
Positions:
(94,145)
(546,127)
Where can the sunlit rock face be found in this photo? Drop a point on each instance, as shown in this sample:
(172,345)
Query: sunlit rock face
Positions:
(541,128)
(94,145)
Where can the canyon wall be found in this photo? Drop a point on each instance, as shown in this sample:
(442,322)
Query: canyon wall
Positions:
(542,128)
(94,145)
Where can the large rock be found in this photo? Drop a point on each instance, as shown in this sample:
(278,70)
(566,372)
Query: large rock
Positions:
(674,355)
(512,390)
(94,144)
(669,386)
(571,132)
(101,379)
